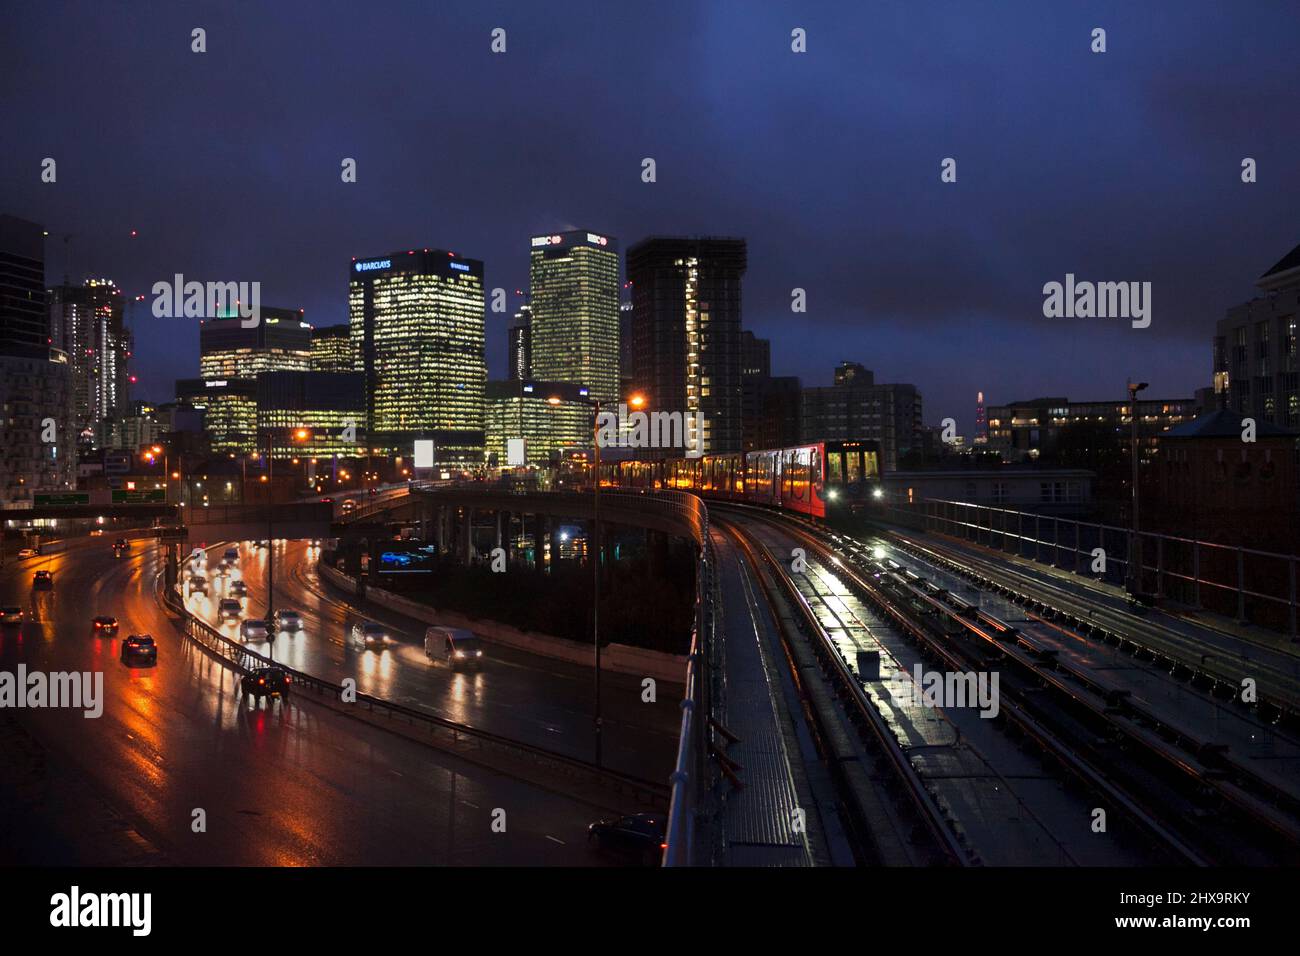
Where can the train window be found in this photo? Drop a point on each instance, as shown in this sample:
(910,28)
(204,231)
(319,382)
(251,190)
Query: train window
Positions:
(834,467)
(815,475)
(853,466)
(872,463)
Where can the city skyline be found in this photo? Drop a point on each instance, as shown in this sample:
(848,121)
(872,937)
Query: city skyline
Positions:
(681,435)
(891,258)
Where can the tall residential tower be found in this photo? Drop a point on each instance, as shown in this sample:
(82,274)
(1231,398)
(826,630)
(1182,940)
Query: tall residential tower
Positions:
(86,322)
(686,331)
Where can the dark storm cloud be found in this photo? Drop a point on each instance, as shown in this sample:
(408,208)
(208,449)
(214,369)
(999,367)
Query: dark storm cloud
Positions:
(1122,166)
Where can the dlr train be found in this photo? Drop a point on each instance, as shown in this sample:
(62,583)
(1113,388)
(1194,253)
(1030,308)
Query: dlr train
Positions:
(832,481)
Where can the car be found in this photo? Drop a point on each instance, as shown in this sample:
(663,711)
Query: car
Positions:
(254,629)
(96,532)
(266,681)
(229,608)
(119,549)
(640,836)
(123,544)
(457,646)
(370,634)
(222,571)
(239,587)
(231,555)
(11,614)
(286,620)
(29,552)
(198,584)
(105,624)
(42,581)
(139,648)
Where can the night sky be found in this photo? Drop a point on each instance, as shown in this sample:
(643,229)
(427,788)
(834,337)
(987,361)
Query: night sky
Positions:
(1115,166)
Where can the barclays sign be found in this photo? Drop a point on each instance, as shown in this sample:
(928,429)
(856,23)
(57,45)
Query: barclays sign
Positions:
(373,265)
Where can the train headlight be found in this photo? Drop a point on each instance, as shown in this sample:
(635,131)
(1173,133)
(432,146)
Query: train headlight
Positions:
(832,494)
(878,493)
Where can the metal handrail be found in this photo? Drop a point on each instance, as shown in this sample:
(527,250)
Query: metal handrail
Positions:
(688,776)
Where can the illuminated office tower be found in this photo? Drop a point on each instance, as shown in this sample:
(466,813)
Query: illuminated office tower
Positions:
(86,322)
(687,350)
(549,416)
(325,404)
(575,311)
(331,349)
(229,407)
(281,342)
(418,325)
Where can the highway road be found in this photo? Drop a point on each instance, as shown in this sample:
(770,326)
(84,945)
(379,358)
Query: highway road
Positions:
(279,785)
(522,696)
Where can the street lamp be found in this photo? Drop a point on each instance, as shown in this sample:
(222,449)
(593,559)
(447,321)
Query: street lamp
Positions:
(298,435)
(595,564)
(1135,551)
(636,401)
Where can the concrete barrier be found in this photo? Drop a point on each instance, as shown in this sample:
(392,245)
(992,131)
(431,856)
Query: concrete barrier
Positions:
(337,578)
(617,658)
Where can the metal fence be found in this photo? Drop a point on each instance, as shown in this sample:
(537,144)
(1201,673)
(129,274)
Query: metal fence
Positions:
(1253,586)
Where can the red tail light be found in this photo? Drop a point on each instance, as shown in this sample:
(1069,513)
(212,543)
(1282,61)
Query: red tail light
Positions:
(261,680)
(287,678)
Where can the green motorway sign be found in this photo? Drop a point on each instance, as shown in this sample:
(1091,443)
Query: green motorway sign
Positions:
(64,498)
(152,496)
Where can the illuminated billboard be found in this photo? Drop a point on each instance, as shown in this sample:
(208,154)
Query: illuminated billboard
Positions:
(403,557)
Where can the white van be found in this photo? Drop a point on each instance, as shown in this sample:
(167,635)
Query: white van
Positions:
(455,645)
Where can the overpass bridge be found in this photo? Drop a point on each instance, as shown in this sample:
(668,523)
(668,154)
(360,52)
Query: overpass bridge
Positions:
(306,519)
(450,514)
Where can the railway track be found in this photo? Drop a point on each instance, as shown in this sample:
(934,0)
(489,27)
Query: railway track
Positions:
(1190,796)
(888,812)
(1207,665)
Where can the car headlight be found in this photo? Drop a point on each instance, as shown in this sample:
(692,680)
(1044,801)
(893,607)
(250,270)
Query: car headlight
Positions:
(460,653)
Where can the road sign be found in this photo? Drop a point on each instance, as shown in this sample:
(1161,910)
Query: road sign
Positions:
(64,498)
(152,496)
